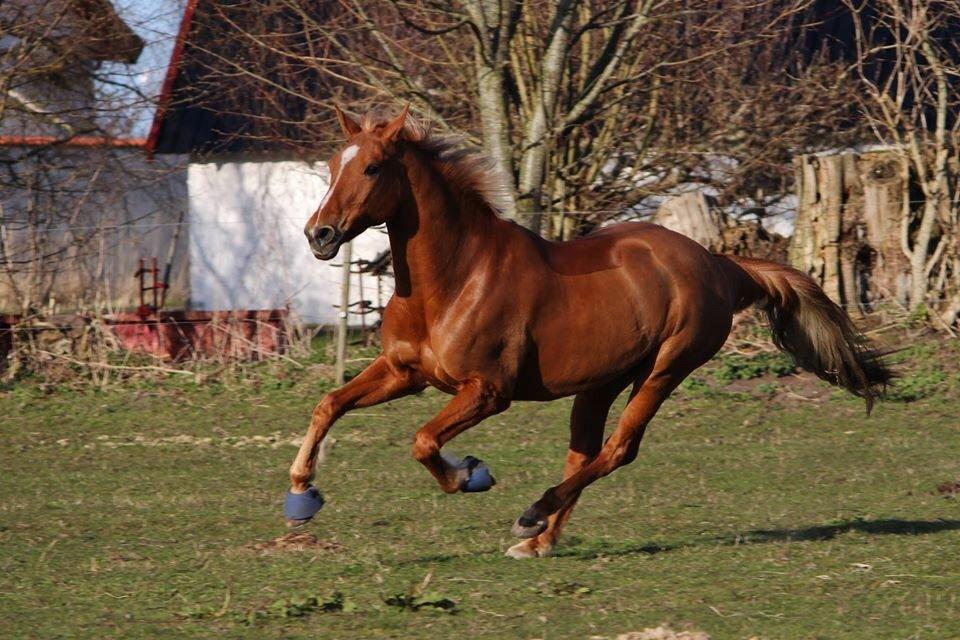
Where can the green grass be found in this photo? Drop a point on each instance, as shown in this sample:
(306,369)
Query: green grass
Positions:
(128,513)
(732,367)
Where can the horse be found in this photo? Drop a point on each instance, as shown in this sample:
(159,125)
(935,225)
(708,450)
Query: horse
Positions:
(491,313)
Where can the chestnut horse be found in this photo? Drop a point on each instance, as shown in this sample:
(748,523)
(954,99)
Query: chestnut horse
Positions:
(490,313)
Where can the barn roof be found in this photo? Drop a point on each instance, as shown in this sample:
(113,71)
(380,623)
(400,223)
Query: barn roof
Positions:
(202,110)
(173,130)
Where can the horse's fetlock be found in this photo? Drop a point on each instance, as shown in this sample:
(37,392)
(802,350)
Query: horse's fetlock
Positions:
(548,503)
(300,476)
(449,487)
(424,447)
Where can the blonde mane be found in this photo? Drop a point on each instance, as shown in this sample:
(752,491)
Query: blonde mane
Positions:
(464,166)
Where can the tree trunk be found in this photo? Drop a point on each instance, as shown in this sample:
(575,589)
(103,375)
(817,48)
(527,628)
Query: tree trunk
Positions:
(493,119)
(491,20)
(692,215)
(920,253)
(851,211)
(535,148)
(885,204)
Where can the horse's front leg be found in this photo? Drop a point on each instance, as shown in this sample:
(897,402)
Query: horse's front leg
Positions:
(379,382)
(475,401)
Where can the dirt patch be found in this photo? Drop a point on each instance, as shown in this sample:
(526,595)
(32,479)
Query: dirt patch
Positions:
(296,542)
(797,388)
(663,632)
(950,489)
(274,440)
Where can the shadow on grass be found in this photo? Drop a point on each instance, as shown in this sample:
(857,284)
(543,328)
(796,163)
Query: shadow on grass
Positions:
(441,558)
(761,536)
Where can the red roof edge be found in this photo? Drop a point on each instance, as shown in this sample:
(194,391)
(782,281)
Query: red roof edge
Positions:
(75,141)
(163,103)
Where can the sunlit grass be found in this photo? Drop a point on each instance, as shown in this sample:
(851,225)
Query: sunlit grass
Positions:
(129,513)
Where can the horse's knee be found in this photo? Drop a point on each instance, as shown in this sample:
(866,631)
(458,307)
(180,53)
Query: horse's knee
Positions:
(328,408)
(424,447)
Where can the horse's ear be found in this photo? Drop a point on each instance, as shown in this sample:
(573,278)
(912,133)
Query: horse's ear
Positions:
(395,126)
(350,126)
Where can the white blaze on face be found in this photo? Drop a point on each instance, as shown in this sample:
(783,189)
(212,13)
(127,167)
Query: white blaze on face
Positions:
(346,156)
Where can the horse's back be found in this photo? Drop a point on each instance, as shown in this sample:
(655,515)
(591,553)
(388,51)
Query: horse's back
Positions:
(642,249)
(699,290)
(622,235)
(609,299)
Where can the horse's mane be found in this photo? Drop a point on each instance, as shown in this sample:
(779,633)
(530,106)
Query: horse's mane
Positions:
(461,165)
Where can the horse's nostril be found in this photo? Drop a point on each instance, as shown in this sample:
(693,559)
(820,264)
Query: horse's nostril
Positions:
(325,234)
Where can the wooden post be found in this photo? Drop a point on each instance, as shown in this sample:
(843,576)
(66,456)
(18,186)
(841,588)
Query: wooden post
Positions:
(850,211)
(886,195)
(831,197)
(692,215)
(342,327)
(804,250)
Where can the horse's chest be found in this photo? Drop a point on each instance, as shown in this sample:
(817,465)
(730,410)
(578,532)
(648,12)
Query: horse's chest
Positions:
(411,344)
(421,357)
(446,353)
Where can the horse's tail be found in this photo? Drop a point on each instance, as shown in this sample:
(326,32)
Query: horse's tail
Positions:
(809,325)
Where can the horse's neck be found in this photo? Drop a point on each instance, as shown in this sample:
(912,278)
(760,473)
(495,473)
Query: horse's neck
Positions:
(437,238)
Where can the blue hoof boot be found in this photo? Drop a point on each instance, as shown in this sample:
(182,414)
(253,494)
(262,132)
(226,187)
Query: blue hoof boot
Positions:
(300,507)
(479,479)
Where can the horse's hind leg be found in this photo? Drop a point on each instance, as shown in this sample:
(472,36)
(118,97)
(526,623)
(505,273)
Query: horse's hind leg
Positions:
(621,447)
(587,419)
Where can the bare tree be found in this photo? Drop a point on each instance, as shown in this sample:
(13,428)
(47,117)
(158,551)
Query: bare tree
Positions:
(587,105)
(908,66)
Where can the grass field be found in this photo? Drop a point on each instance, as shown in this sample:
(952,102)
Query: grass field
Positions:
(134,512)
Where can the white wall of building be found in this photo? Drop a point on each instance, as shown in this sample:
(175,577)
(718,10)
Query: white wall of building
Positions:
(97,212)
(247,248)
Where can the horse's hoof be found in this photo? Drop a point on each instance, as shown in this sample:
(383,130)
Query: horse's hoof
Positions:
(528,525)
(299,508)
(527,549)
(478,478)
(294,524)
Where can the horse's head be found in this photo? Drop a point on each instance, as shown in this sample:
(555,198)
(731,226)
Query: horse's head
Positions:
(366,180)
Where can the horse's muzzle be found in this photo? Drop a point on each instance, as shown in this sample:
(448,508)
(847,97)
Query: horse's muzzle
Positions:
(324,241)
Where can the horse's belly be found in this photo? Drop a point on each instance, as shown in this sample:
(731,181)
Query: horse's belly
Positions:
(585,346)
(551,378)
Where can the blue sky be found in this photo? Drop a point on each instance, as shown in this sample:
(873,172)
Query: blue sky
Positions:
(157,22)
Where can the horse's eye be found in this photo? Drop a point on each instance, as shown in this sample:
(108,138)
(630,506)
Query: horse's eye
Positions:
(371,170)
